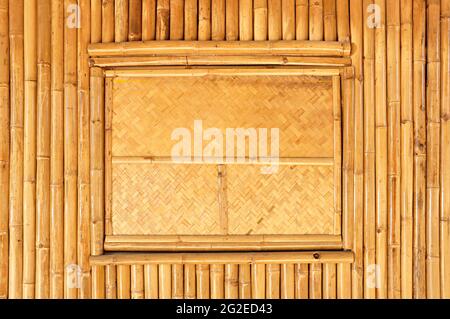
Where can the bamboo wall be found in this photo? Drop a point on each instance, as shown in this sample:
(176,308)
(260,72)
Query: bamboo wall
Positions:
(401,140)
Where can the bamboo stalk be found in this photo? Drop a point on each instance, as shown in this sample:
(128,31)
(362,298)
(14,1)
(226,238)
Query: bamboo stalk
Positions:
(202,273)
(190,20)
(245,285)
(329,281)
(329,20)
(148,20)
(433,114)
(57,152)
(274,20)
(258,281)
(316,20)
(176,19)
(162,19)
(151,281)
(288,19)
(190,291)
(407,155)
(204,20)
(4,150)
(231,281)
(260,20)
(123,281)
(121,20)
(137,282)
(43,151)
(315,281)
(110,282)
(356,28)
(218,20)
(419,59)
(287,281)
(232,20)
(107,21)
(301,19)
(343,21)
(96,19)
(273,281)
(16,38)
(337,161)
(177,282)
(29,169)
(344,287)
(165,281)
(70,150)
(369,155)
(109,87)
(98,282)
(301,281)
(445,151)
(217,281)
(135,20)
(246,20)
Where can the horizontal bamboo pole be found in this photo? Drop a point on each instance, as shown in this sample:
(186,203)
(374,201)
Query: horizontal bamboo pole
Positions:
(296,48)
(224,258)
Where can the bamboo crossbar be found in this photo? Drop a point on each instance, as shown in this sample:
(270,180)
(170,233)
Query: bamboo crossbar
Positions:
(224,258)
(191,48)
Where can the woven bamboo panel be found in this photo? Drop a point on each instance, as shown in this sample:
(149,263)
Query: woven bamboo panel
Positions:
(147,110)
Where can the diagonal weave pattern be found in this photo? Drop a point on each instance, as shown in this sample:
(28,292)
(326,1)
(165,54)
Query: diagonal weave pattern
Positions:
(147,110)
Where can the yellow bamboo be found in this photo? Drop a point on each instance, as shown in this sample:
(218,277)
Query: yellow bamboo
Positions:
(329,281)
(177,282)
(151,281)
(218,20)
(121,20)
(29,169)
(123,282)
(107,21)
(231,281)
(343,21)
(204,20)
(329,20)
(301,19)
(176,19)
(110,282)
(245,288)
(246,20)
(135,20)
(190,20)
(287,281)
(190,290)
(96,17)
(4,142)
(162,19)
(137,282)
(344,288)
(232,20)
(316,20)
(274,20)
(288,19)
(315,281)
(301,277)
(217,281)
(273,281)
(98,283)
(203,287)
(148,20)
(260,20)
(258,281)
(57,152)
(165,281)
(108,155)
(16,38)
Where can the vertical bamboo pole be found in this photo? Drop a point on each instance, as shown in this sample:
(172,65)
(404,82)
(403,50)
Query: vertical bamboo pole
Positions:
(123,281)
(96,17)
(356,28)
(190,20)
(177,281)
(260,20)
(232,20)
(369,156)
(121,20)
(259,281)
(419,66)
(110,282)
(148,20)
(29,169)
(16,38)
(287,281)
(343,21)
(407,155)
(274,20)
(245,285)
(217,281)
(246,20)
(176,19)
(135,20)
(329,20)
(315,281)
(43,151)
(272,281)
(202,272)
(204,20)
(344,289)
(151,281)
(301,19)
(162,19)
(433,148)
(137,282)
(57,152)
(70,146)
(165,281)
(107,21)
(393,96)
(288,19)
(4,143)
(316,20)
(329,281)
(190,290)
(231,281)
(445,150)
(301,281)
(218,20)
